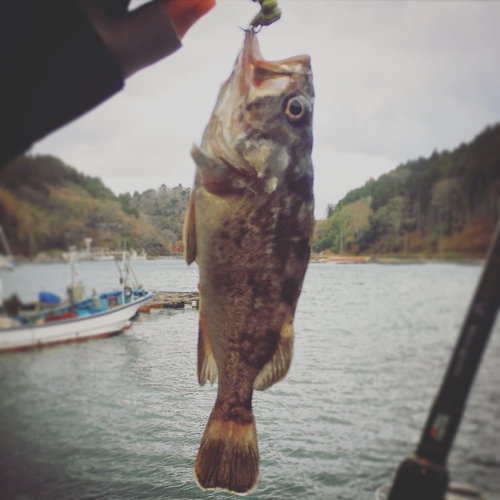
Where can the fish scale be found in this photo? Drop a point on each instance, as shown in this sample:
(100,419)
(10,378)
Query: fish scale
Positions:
(249,226)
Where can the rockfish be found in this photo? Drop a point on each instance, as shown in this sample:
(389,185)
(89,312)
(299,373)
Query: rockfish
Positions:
(249,226)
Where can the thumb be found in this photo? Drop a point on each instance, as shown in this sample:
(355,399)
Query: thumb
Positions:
(184,13)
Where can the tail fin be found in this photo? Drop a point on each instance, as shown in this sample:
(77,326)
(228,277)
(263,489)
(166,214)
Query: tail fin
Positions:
(228,457)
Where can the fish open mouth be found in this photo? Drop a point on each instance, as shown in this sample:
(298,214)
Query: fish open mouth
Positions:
(254,69)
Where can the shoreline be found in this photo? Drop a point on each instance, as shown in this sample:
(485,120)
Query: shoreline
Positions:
(315,259)
(395,260)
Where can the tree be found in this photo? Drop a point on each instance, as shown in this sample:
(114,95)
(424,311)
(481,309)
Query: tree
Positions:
(330,208)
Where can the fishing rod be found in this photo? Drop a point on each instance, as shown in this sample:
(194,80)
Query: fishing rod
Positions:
(424,476)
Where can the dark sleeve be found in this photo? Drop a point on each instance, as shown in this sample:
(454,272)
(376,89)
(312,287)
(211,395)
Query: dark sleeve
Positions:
(54,67)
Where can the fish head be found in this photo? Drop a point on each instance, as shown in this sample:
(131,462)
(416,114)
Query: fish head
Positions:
(262,122)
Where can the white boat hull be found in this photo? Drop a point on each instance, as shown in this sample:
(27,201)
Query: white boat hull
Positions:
(104,324)
(6,263)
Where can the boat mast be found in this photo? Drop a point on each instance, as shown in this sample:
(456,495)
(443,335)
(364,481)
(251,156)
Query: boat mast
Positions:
(124,275)
(5,242)
(75,286)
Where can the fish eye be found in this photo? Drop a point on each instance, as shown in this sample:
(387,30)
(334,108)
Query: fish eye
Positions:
(295,109)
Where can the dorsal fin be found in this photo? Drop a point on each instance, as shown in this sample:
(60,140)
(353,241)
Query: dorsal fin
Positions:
(189,232)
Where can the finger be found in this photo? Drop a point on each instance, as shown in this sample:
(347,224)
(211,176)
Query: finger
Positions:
(184,13)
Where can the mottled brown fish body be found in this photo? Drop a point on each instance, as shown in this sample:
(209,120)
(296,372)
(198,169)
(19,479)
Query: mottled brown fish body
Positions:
(249,227)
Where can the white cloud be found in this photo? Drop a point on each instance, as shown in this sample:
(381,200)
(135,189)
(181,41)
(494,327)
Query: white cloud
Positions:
(393,80)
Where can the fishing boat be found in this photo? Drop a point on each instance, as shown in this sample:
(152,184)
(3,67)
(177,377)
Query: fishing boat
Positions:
(101,315)
(69,324)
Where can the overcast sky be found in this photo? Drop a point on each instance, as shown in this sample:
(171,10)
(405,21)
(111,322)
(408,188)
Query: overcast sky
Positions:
(394,81)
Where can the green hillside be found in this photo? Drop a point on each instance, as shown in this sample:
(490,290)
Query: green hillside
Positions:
(162,208)
(446,204)
(47,205)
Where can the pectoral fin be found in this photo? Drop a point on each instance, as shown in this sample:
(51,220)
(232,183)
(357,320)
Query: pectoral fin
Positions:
(278,366)
(207,367)
(189,233)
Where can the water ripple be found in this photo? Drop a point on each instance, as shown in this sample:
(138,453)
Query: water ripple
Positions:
(122,418)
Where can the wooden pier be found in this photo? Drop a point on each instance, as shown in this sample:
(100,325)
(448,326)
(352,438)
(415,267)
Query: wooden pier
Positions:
(171,300)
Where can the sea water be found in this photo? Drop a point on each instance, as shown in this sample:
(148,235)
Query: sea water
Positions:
(122,417)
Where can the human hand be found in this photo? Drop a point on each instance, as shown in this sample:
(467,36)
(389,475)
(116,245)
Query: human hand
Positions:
(184,13)
(143,36)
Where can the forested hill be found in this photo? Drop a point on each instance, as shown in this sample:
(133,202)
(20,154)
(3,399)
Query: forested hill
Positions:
(445,204)
(47,205)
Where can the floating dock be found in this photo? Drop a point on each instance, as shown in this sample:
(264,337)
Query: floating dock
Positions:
(171,300)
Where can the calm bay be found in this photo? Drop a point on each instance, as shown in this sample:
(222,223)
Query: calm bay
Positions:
(121,418)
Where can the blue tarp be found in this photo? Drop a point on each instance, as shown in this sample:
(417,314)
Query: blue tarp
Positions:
(48,298)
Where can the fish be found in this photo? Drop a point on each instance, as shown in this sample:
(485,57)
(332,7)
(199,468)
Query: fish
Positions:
(248,226)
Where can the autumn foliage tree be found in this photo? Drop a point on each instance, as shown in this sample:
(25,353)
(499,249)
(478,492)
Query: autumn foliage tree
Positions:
(47,205)
(431,202)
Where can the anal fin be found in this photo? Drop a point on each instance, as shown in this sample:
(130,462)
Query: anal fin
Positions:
(277,367)
(207,367)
